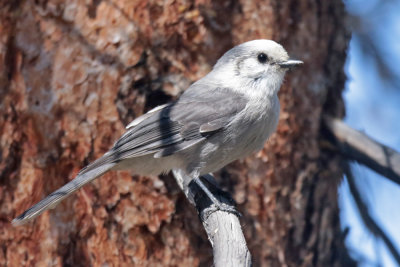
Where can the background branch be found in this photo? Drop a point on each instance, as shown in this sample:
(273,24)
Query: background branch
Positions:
(358,146)
(366,217)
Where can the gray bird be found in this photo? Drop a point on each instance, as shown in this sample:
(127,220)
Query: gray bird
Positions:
(226,115)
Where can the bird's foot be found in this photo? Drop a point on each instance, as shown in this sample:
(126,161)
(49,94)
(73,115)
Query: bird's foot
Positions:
(224,202)
(205,213)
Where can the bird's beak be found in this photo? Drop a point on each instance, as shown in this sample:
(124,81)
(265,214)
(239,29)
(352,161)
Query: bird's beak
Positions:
(289,64)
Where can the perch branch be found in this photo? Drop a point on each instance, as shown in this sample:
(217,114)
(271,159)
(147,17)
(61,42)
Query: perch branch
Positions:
(360,147)
(222,227)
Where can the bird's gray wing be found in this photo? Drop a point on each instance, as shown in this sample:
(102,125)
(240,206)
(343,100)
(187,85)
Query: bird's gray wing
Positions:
(198,114)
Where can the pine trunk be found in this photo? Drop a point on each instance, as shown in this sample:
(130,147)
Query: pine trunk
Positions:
(73,73)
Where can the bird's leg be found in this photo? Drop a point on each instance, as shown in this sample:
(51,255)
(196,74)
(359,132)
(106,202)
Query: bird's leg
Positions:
(207,198)
(223,203)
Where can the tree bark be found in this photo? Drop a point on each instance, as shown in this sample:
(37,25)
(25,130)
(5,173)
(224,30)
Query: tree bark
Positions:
(73,73)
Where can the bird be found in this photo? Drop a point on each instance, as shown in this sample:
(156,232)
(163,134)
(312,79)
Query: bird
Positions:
(224,116)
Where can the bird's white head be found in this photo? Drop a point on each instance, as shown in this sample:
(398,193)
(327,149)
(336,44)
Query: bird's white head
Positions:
(260,64)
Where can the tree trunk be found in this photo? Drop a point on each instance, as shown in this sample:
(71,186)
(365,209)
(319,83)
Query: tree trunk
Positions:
(74,73)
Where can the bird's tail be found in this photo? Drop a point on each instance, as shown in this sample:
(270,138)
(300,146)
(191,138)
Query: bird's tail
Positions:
(87,175)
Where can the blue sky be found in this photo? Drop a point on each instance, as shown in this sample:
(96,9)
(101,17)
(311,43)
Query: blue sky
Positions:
(373,106)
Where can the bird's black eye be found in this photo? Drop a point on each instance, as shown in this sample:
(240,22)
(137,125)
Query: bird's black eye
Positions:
(262,58)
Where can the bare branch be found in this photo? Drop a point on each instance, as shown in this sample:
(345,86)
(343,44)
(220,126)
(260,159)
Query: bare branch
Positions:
(367,218)
(358,146)
(222,227)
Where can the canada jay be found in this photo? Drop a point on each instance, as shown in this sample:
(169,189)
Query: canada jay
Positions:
(224,116)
